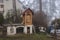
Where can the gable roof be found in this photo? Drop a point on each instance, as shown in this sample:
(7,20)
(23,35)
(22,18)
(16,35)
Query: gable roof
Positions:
(27,10)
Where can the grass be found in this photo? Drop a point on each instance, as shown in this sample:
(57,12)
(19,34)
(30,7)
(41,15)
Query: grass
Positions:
(40,36)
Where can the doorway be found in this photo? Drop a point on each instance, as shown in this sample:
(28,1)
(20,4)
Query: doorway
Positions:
(28,30)
(19,30)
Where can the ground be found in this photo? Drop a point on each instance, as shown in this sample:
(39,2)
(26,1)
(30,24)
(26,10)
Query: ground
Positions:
(40,36)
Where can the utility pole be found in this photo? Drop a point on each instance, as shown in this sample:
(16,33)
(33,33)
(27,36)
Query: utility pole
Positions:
(40,6)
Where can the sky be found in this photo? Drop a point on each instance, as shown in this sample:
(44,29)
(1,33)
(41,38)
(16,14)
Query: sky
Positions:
(32,4)
(50,7)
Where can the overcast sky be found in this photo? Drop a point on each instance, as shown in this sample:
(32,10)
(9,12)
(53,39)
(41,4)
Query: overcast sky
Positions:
(50,7)
(33,4)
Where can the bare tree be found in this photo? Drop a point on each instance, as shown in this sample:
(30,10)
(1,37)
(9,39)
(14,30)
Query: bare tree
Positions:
(10,16)
(40,19)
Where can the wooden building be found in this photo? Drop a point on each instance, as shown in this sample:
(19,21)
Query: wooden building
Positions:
(27,20)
